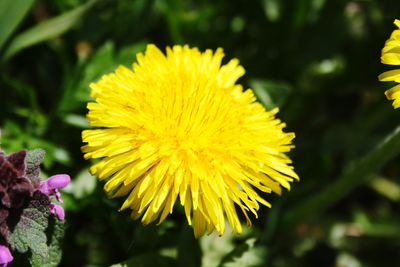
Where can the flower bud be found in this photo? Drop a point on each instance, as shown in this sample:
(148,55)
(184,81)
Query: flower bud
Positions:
(5,255)
(57,210)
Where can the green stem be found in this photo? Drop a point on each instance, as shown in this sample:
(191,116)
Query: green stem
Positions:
(357,174)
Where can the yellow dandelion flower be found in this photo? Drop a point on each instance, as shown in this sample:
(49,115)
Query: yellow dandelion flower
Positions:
(391,56)
(178,125)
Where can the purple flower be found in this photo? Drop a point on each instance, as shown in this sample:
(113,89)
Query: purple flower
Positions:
(50,187)
(21,188)
(52,184)
(5,256)
(57,210)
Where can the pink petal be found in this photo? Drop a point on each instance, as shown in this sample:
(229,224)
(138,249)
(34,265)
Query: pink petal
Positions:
(57,210)
(58,181)
(5,255)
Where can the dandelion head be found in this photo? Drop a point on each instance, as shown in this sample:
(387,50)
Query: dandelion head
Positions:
(391,56)
(177,128)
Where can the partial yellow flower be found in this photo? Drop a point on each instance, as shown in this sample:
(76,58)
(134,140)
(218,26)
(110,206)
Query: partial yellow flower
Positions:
(178,125)
(391,56)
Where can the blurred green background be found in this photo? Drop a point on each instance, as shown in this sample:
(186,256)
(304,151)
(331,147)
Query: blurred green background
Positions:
(317,60)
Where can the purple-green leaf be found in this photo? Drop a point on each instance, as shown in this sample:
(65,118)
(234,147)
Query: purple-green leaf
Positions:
(32,161)
(28,232)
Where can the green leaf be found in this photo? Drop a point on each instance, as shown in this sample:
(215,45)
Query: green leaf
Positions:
(29,232)
(271,93)
(83,185)
(12,136)
(215,247)
(386,188)
(12,12)
(75,120)
(54,249)
(33,160)
(127,55)
(101,63)
(33,233)
(77,91)
(46,30)
(246,254)
(61,155)
(358,173)
(104,60)
(58,232)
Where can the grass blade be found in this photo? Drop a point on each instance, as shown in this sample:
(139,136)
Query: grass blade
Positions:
(357,174)
(46,30)
(12,13)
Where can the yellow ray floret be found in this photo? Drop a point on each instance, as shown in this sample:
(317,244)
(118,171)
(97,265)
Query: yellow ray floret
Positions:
(391,56)
(177,127)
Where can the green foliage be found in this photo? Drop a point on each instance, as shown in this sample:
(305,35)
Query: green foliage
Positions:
(147,260)
(28,231)
(32,233)
(46,30)
(11,14)
(33,160)
(189,251)
(54,253)
(246,254)
(270,93)
(352,177)
(316,60)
